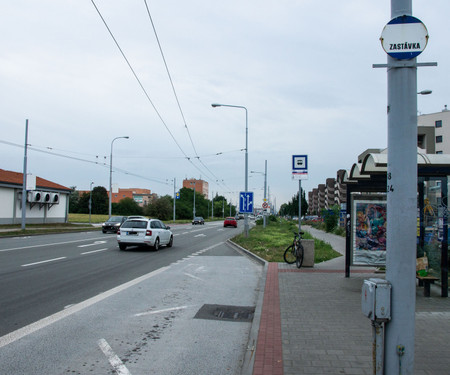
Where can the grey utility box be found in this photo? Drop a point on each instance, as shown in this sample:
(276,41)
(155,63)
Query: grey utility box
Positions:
(376,299)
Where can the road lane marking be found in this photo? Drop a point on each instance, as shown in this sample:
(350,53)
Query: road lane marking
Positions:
(92,244)
(47,244)
(194,277)
(33,327)
(94,251)
(200,235)
(43,261)
(115,361)
(161,311)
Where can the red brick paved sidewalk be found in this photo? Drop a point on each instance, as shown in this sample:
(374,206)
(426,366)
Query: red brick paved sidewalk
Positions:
(269,351)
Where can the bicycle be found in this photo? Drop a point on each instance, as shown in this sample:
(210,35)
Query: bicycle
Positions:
(294,253)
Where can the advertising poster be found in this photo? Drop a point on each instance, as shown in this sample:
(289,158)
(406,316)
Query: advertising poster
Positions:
(369,232)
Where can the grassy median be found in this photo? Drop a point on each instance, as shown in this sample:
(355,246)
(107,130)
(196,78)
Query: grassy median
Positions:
(270,243)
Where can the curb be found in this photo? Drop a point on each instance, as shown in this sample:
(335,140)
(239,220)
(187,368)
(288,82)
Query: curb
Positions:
(249,357)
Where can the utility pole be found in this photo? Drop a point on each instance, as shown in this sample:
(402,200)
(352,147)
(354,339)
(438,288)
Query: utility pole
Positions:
(265,191)
(174,197)
(24,181)
(402,187)
(401,209)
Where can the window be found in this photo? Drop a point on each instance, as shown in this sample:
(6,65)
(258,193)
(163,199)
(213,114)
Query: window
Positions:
(438,123)
(439,139)
(439,152)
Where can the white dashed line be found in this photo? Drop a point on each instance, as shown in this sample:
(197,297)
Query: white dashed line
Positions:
(44,261)
(161,311)
(93,251)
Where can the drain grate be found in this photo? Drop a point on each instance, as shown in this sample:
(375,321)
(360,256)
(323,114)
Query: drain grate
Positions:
(226,313)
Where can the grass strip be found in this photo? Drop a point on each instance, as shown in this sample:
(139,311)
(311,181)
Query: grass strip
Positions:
(270,243)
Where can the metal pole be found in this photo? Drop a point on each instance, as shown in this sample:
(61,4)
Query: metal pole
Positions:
(265,191)
(212,205)
(194,200)
(110,174)
(246,169)
(24,181)
(246,155)
(90,202)
(401,208)
(299,206)
(174,198)
(110,179)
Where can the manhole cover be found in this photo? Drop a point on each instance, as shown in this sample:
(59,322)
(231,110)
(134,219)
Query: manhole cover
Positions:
(227,313)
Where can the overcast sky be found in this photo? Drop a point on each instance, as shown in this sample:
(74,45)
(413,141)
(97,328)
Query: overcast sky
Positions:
(302,68)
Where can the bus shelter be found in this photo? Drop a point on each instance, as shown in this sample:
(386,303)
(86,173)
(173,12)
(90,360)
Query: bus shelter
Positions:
(366,213)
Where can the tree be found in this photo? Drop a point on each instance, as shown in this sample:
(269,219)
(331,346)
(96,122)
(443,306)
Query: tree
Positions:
(291,208)
(100,202)
(74,197)
(331,217)
(127,207)
(185,205)
(161,208)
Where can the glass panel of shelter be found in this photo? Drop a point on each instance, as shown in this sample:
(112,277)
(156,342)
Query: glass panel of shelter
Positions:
(434,215)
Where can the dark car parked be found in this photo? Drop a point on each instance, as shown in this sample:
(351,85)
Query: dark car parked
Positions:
(113,224)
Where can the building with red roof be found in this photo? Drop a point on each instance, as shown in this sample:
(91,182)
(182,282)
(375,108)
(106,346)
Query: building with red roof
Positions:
(47,201)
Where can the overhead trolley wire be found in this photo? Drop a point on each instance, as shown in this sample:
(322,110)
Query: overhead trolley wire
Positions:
(143,89)
(175,93)
(102,164)
(138,80)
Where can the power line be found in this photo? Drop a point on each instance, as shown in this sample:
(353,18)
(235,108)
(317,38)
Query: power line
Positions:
(170,77)
(174,91)
(138,80)
(105,165)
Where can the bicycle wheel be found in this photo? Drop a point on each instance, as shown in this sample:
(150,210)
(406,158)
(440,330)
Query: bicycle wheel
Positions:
(299,258)
(289,255)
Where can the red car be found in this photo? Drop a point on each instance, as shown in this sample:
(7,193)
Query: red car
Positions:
(230,222)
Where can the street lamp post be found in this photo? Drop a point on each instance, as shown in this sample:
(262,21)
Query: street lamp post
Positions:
(214,105)
(265,189)
(90,201)
(110,172)
(193,209)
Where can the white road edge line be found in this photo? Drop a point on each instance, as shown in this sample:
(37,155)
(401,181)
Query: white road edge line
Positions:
(31,328)
(43,261)
(93,251)
(115,361)
(161,311)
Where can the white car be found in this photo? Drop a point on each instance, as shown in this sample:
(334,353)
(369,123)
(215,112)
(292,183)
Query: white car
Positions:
(144,232)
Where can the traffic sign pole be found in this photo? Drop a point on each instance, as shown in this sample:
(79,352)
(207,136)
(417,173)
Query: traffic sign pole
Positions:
(299,206)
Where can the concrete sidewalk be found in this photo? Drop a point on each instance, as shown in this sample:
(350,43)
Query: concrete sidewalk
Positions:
(311,322)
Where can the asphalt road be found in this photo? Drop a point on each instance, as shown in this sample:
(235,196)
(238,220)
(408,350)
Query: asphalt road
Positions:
(66,300)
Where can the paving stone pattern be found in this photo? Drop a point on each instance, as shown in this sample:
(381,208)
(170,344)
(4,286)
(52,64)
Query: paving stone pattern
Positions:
(323,330)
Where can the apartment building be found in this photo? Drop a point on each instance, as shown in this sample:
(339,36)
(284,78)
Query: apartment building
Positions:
(433,132)
(200,186)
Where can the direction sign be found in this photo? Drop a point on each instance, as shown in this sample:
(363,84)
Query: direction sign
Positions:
(246,202)
(404,37)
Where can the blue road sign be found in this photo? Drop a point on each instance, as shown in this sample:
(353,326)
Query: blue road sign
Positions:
(246,202)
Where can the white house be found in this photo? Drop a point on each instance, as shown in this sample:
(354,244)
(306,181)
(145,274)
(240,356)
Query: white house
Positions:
(48,202)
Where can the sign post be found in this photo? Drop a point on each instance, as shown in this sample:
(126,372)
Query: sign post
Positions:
(403,39)
(299,172)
